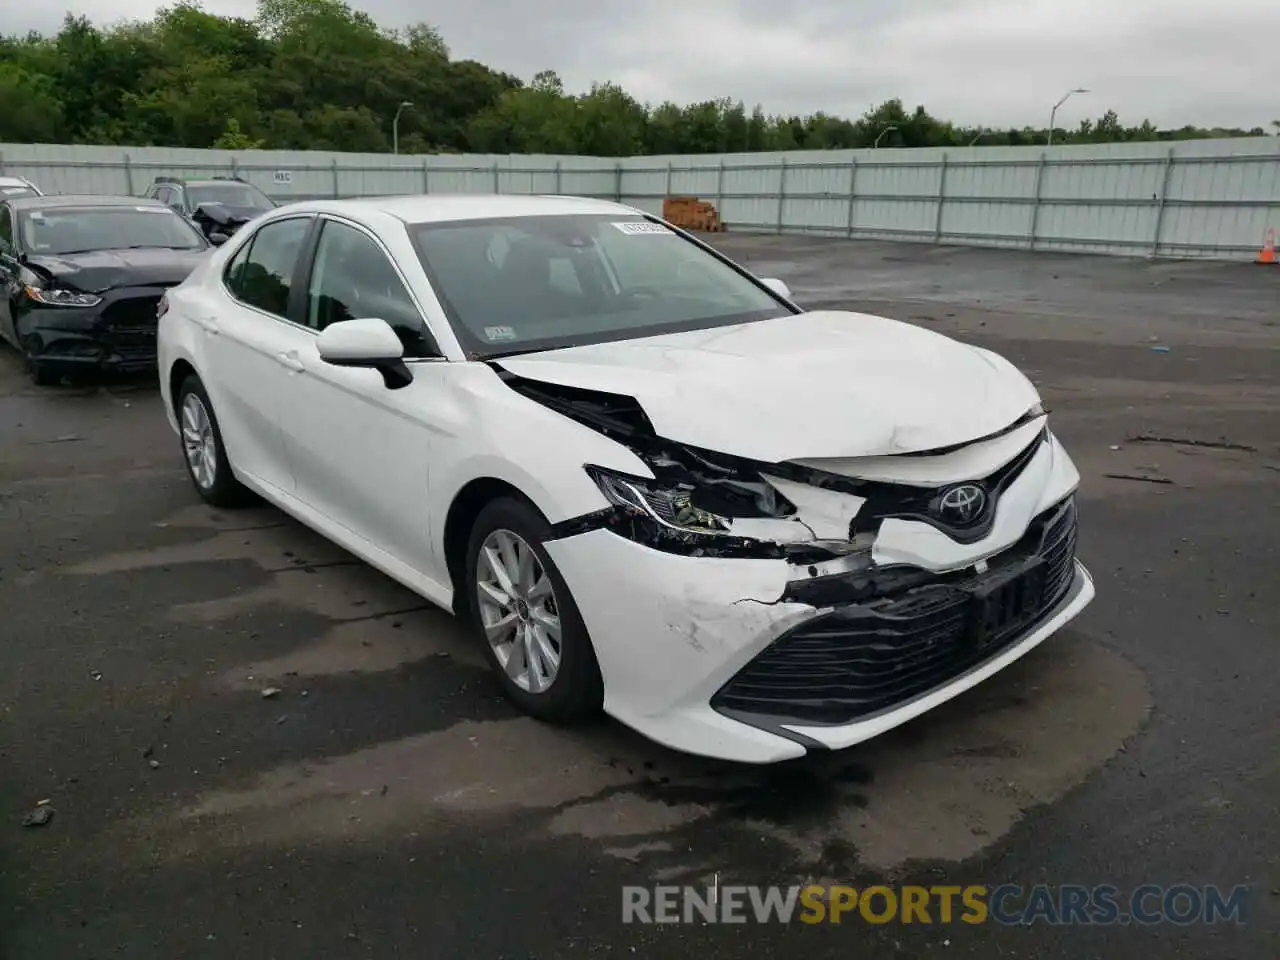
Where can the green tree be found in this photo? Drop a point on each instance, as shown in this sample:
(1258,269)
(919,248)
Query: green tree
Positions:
(318,74)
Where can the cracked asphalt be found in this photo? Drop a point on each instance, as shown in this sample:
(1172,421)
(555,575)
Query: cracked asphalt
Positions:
(385,801)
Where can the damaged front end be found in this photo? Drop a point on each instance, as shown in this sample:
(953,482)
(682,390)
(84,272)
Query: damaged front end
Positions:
(913,584)
(707,503)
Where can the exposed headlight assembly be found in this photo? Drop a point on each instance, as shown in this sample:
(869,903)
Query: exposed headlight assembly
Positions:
(53,297)
(668,506)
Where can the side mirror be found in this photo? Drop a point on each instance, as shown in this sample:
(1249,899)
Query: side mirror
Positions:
(778,287)
(218,238)
(367,342)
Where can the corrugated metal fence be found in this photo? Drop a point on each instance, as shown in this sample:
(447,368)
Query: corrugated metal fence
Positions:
(1198,198)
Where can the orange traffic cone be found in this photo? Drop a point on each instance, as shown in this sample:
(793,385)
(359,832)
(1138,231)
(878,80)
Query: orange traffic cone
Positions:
(1268,252)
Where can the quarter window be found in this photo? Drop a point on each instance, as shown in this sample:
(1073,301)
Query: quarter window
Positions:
(265,277)
(352,278)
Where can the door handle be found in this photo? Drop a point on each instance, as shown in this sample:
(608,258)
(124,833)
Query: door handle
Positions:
(290,361)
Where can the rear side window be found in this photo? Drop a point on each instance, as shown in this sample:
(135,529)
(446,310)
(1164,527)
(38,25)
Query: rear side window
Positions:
(6,229)
(262,274)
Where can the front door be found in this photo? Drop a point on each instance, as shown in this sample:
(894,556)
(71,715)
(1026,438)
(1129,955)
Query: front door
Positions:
(361,451)
(249,342)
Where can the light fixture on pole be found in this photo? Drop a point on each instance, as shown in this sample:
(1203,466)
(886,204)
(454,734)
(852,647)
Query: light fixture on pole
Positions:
(881,136)
(1054,112)
(395,125)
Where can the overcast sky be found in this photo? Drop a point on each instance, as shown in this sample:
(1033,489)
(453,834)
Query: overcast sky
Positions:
(990,62)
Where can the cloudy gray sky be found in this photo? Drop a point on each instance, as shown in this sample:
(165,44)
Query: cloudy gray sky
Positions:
(992,62)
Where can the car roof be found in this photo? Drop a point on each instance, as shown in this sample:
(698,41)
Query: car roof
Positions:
(434,208)
(15,182)
(82,200)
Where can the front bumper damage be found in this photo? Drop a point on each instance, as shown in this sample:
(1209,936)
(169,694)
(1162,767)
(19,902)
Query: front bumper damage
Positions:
(117,334)
(853,613)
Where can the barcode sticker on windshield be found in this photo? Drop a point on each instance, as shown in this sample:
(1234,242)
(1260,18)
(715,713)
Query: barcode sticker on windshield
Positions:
(499,333)
(643,226)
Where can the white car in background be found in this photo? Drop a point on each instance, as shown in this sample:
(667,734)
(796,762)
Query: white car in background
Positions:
(13,187)
(651,481)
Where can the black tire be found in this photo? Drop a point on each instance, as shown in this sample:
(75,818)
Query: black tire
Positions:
(42,375)
(577,691)
(225,490)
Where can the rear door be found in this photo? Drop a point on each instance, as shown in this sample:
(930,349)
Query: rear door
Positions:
(249,343)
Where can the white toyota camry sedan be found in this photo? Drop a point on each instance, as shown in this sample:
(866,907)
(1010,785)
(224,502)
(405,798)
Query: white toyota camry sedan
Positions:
(650,481)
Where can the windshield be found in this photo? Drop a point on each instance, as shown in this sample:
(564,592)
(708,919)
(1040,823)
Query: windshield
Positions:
(228,194)
(536,283)
(61,230)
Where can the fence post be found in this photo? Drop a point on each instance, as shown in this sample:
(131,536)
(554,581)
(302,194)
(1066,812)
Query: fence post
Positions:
(426,176)
(1,163)
(720,190)
(497,182)
(782,190)
(336,193)
(558,178)
(1035,204)
(1164,192)
(617,182)
(942,199)
(666,189)
(128,175)
(853,196)
(235,170)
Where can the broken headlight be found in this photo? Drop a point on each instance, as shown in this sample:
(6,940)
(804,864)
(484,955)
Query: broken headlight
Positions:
(668,505)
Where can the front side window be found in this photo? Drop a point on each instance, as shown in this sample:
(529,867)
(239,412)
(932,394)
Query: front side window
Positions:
(522,284)
(352,278)
(64,230)
(265,278)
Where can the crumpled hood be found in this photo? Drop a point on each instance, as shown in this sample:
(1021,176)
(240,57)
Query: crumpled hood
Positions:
(107,269)
(815,385)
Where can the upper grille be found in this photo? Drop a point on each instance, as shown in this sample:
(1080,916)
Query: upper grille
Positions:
(865,658)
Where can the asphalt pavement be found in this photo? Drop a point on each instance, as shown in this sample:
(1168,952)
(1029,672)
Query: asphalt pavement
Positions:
(254,745)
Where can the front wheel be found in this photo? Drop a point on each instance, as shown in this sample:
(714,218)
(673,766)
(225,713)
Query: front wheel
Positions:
(530,627)
(202,448)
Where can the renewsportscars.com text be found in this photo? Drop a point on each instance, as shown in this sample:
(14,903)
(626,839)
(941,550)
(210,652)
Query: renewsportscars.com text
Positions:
(1007,904)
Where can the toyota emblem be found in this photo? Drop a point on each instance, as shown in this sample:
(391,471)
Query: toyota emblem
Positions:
(962,504)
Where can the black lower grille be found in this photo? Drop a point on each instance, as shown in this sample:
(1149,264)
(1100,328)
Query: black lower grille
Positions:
(861,659)
(132,313)
(130,327)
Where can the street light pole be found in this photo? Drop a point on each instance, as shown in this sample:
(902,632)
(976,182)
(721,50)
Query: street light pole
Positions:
(881,136)
(1054,112)
(395,126)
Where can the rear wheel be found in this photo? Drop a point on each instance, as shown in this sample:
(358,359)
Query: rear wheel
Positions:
(529,625)
(202,448)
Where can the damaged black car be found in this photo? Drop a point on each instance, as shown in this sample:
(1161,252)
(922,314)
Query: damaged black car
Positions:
(81,278)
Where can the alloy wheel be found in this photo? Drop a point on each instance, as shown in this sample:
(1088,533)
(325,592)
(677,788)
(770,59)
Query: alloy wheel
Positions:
(198,441)
(518,612)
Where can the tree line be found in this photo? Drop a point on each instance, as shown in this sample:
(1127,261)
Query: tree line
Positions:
(317,75)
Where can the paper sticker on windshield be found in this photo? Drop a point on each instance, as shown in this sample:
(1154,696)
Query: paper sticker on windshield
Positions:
(499,333)
(161,209)
(643,226)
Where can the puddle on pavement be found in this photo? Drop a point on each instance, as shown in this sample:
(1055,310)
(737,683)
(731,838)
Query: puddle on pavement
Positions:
(942,788)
